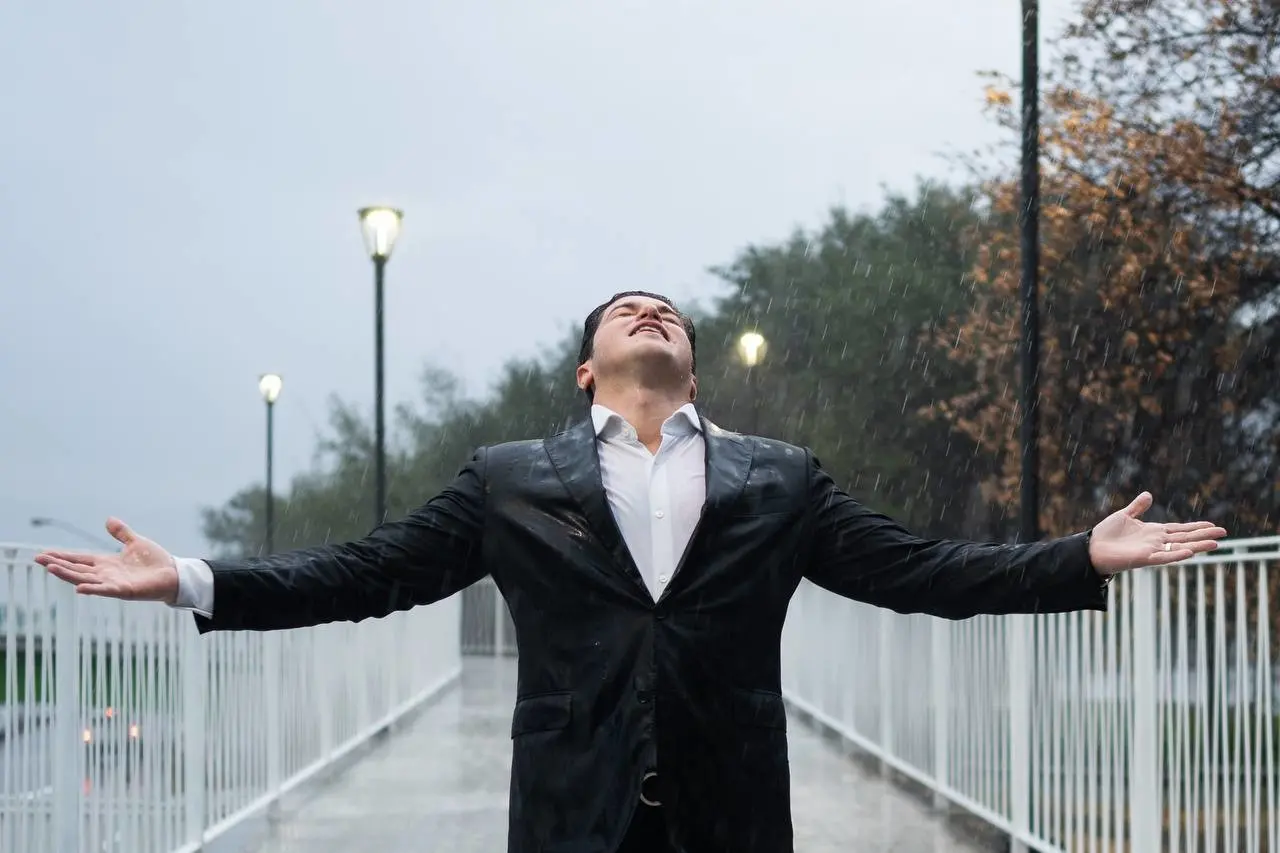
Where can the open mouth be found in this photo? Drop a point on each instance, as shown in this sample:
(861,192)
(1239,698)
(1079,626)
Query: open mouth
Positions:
(650,327)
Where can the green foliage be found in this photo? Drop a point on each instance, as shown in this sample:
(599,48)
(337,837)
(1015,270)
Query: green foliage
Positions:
(847,313)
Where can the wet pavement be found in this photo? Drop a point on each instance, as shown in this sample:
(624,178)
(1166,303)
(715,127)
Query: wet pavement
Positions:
(440,784)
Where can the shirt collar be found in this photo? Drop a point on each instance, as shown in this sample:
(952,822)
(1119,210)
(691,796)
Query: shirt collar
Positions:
(684,418)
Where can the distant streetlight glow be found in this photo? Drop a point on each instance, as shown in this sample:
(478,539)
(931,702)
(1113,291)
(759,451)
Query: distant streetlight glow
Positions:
(381,227)
(751,347)
(270,385)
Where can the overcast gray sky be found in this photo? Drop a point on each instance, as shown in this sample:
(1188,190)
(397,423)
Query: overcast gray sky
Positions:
(178,186)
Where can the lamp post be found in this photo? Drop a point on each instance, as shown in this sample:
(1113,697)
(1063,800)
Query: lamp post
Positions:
(751,347)
(381,227)
(68,527)
(1029,510)
(270,385)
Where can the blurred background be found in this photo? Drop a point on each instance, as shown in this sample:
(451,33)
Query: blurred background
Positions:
(179,202)
(202,208)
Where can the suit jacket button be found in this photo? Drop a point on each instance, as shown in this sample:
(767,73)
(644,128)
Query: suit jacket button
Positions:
(660,614)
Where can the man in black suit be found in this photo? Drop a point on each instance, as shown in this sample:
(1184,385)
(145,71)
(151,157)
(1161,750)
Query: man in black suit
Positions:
(648,557)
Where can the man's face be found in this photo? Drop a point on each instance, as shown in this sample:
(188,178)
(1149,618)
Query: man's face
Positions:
(639,334)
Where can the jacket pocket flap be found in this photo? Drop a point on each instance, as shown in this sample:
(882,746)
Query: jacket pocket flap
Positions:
(759,708)
(542,713)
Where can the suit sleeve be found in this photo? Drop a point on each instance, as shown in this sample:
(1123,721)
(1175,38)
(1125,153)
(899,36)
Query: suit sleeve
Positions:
(425,557)
(863,555)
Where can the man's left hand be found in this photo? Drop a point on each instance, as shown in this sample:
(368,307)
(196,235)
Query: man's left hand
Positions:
(1124,541)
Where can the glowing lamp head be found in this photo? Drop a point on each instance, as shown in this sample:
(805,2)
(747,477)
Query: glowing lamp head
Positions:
(381,227)
(751,348)
(270,385)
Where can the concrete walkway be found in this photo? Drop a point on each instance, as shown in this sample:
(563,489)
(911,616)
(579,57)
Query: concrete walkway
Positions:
(440,784)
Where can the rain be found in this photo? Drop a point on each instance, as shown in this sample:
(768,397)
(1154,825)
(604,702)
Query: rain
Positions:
(286,281)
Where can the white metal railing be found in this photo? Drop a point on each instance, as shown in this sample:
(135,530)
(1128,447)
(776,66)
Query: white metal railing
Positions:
(1152,727)
(487,627)
(124,731)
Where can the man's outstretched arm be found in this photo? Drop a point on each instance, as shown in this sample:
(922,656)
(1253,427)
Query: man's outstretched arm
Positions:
(432,553)
(863,555)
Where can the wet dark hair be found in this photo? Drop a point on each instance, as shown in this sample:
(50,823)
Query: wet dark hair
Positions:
(592,323)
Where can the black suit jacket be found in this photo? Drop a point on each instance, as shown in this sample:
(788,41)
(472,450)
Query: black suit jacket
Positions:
(612,684)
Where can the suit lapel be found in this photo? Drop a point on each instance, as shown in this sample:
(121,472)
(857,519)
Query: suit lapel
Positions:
(577,459)
(728,461)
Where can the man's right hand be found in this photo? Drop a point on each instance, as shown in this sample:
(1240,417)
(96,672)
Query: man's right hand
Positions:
(142,571)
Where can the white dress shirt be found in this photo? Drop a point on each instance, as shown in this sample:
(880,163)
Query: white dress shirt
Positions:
(656,499)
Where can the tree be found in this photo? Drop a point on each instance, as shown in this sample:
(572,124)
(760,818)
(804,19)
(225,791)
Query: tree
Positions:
(426,447)
(844,310)
(1160,334)
(1206,73)
(1209,72)
(1158,260)
(331,502)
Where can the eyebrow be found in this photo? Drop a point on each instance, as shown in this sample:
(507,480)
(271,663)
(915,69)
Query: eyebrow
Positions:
(663,308)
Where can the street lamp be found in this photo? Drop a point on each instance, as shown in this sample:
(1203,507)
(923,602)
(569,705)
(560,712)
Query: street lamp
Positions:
(270,385)
(68,527)
(1029,509)
(751,347)
(381,227)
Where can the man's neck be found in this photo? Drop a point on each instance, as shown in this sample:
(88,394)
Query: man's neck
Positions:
(646,410)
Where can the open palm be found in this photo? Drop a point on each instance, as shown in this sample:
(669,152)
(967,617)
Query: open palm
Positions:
(141,571)
(1123,540)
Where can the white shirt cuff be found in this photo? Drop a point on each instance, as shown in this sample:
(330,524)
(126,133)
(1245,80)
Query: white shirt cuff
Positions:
(195,586)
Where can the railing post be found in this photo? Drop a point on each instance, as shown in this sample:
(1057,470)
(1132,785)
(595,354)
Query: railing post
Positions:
(272,675)
(194,684)
(68,747)
(323,666)
(886,684)
(940,672)
(1018,638)
(391,661)
(499,623)
(1144,786)
(364,643)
